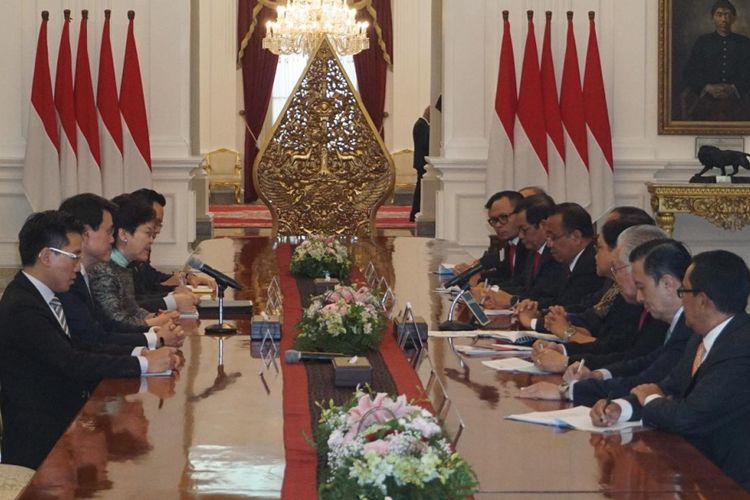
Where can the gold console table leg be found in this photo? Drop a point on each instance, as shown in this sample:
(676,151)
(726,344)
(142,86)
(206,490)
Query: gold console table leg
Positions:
(665,220)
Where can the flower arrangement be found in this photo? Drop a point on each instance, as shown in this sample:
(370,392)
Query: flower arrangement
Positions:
(378,447)
(346,319)
(320,256)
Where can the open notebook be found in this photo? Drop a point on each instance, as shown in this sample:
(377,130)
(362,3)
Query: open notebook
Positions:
(573,418)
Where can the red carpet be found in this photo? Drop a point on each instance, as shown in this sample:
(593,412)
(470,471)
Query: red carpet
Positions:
(226,216)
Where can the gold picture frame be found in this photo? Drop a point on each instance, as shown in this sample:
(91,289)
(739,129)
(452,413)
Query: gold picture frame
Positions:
(682,109)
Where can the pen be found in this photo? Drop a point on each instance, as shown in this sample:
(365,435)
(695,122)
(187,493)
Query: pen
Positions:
(607,402)
(580,366)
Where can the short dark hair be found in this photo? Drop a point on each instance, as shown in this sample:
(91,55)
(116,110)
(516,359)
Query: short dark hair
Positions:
(723,3)
(132,211)
(724,277)
(662,256)
(88,208)
(45,229)
(634,213)
(150,196)
(575,218)
(612,228)
(537,207)
(513,196)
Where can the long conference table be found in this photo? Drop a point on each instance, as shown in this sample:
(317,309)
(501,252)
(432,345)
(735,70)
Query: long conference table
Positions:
(216,431)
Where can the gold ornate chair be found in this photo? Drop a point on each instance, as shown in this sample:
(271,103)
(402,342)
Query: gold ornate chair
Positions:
(223,169)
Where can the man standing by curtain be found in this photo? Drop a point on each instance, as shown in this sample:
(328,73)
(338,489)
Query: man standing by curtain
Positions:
(421,135)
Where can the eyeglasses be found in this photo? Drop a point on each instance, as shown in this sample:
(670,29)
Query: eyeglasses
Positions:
(614,269)
(682,291)
(502,218)
(72,256)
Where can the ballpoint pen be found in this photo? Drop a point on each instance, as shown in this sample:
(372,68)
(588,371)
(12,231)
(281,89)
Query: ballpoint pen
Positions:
(484,292)
(580,366)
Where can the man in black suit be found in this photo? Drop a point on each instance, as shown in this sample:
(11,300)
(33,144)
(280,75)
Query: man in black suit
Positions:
(706,397)
(86,319)
(570,238)
(421,135)
(44,378)
(658,267)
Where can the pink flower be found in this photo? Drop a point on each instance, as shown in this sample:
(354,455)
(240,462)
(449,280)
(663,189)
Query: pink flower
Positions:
(380,447)
(333,297)
(346,294)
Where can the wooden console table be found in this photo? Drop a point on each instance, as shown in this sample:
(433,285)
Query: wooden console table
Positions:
(724,205)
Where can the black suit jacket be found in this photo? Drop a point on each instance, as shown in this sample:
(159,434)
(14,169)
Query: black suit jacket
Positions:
(711,409)
(44,378)
(611,349)
(88,323)
(618,321)
(506,271)
(648,369)
(545,286)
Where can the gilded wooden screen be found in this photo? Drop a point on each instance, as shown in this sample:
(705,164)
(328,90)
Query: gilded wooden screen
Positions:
(325,169)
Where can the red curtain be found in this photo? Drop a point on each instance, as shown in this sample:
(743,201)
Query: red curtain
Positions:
(372,64)
(258,72)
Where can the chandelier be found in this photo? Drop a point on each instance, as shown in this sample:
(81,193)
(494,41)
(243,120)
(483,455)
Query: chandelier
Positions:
(300,24)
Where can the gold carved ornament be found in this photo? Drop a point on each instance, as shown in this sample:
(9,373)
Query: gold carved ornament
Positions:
(324,170)
(725,207)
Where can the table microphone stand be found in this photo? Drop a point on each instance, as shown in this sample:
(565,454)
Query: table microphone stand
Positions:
(221,328)
(451,325)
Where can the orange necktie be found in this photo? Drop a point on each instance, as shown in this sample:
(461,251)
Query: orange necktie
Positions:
(698,357)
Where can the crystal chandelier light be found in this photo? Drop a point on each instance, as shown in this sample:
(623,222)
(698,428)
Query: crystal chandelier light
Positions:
(300,24)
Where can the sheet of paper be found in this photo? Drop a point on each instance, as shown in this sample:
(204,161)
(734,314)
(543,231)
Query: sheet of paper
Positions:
(514,365)
(478,351)
(446,269)
(512,348)
(524,336)
(463,334)
(498,312)
(575,418)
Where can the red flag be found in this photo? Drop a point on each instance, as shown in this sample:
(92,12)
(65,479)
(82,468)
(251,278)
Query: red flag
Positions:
(41,169)
(136,147)
(531,165)
(110,131)
(500,154)
(597,119)
(89,157)
(552,118)
(66,113)
(571,105)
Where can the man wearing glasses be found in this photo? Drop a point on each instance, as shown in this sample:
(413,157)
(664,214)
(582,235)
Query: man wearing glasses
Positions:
(502,261)
(45,378)
(706,397)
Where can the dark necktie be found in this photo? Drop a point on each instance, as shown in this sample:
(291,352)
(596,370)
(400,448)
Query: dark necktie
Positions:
(57,308)
(642,319)
(512,257)
(537,260)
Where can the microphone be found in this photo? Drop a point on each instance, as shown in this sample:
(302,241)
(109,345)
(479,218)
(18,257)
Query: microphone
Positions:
(293,356)
(220,277)
(486,263)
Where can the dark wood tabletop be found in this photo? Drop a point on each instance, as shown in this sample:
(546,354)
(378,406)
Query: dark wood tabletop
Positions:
(216,431)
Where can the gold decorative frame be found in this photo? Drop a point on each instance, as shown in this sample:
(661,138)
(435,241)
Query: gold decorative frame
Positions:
(679,20)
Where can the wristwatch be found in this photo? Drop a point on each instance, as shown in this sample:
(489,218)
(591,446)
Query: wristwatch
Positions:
(569,332)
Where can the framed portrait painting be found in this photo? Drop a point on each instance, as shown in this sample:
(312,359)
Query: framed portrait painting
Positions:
(704,67)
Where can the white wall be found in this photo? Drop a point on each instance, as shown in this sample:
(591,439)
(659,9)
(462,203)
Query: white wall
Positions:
(162,31)
(628,43)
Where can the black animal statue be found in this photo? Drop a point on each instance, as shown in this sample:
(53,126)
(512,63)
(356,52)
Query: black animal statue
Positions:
(713,157)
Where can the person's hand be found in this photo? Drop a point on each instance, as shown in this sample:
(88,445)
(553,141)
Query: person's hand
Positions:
(605,413)
(495,300)
(525,311)
(556,320)
(159,360)
(200,279)
(550,360)
(645,390)
(577,372)
(541,390)
(172,334)
(186,301)
(163,318)
(542,345)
